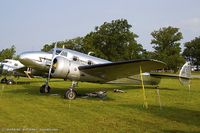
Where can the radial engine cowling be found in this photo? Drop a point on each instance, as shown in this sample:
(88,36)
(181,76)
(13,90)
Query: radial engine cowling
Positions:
(60,68)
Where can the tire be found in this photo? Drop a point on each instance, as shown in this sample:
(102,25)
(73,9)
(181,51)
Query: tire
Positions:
(10,82)
(42,89)
(70,94)
(4,80)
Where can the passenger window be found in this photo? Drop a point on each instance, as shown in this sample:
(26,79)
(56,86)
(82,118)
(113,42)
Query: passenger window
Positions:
(75,58)
(90,62)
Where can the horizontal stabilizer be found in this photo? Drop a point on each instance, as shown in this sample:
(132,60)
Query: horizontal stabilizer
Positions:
(184,74)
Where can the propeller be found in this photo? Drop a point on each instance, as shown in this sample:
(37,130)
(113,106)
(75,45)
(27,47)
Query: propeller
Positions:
(51,66)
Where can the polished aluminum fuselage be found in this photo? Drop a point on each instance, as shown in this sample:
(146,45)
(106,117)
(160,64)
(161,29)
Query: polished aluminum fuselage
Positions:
(41,61)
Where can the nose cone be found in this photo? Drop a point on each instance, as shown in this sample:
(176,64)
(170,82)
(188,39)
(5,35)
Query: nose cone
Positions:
(29,58)
(24,57)
(35,59)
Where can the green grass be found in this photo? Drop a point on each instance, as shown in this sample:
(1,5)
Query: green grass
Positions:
(22,107)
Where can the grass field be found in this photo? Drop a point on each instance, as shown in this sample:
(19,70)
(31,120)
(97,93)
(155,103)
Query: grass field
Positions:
(24,109)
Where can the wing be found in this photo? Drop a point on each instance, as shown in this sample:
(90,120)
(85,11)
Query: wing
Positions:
(116,70)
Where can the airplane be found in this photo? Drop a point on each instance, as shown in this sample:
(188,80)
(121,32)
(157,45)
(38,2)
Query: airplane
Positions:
(11,67)
(80,67)
(7,68)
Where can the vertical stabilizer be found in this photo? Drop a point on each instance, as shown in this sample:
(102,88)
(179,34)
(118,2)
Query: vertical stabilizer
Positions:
(185,74)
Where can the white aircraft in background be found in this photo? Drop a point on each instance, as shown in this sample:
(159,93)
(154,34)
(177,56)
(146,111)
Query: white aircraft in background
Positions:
(7,68)
(76,66)
(10,68)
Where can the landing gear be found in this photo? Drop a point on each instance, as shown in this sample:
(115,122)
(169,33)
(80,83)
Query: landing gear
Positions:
(7,81)
(4,80)
(45,89)
(10,82)
(71,92)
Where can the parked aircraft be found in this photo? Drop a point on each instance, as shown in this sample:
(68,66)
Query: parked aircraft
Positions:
(10,68)
(7,68)
(76,66)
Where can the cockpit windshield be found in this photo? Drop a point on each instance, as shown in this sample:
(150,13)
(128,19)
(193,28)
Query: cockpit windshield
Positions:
(57,51)
(5,61)
(64,53)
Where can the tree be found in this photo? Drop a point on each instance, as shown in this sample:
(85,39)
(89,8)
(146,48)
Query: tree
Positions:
(167,46)
(192,51)
(7,53)
(113,41)
(47,47)
(74,44)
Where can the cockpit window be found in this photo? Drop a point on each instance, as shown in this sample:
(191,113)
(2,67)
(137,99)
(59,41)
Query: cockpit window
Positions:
(4,61)
(57,51)
(64,53)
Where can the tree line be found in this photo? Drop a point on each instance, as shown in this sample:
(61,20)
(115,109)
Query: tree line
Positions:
(115,41)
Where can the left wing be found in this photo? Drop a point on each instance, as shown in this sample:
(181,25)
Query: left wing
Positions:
(112,71)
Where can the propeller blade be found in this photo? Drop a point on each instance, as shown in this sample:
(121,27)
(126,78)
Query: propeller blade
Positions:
(53,56)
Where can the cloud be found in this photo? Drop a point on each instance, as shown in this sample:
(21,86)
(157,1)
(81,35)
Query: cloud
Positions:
(192,24)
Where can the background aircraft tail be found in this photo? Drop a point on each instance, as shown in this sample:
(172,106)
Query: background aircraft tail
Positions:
(185,74)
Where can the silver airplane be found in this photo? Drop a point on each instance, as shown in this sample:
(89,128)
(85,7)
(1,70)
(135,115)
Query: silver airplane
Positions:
(76,66)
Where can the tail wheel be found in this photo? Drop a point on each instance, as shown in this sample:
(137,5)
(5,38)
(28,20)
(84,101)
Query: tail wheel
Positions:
(70,94)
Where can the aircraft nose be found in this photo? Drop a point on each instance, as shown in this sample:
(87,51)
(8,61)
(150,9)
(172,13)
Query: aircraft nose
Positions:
(23,57)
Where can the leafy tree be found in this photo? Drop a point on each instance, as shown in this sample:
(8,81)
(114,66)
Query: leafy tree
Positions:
(166,43)
(47,47)
(74,44)
(7,53)
(148,54)
(192,51)
(113,41)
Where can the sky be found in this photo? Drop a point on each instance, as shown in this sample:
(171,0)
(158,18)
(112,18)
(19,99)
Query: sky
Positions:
(29,24)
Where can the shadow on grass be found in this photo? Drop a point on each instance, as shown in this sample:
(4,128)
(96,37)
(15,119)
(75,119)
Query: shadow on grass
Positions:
(34,90)
(186,116)
(82,89)
(178,131)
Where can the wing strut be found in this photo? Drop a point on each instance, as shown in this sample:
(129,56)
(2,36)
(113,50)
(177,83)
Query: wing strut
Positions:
(144,94)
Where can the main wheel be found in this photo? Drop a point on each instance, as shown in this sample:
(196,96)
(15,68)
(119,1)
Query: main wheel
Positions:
(45,89)
(70,94)
(4,80)
(10,82)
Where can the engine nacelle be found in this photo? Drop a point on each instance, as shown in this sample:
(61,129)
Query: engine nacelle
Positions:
(60,68)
